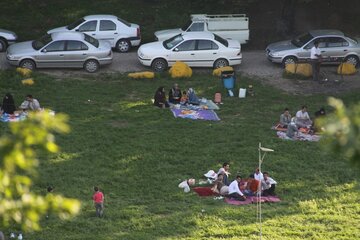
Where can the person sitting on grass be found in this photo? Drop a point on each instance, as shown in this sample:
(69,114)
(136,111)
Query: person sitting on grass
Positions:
(252,186)
(184,98)
(285,118)
(219,186)
(8,104)
(224,170)
(268,185)
(193,99)
(175,94)
(30,103)
(234,190)
(160,98)
(258,175)
(292,129)
(302,118)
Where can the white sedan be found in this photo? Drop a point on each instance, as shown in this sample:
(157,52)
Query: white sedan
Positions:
(196,49)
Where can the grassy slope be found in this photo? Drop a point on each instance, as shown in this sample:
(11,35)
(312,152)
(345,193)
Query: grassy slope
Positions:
(138,154)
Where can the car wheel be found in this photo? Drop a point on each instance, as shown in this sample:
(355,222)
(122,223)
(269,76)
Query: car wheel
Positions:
(123,45)
(354,60)
(27,63)
(289,60)
(159,65)
(221,63)
(91,65)
(3,45)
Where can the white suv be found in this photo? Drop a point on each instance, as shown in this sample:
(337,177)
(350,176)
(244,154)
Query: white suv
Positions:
(121,34)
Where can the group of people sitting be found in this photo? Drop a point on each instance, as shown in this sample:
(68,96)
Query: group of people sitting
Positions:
(239,188)
(176,96)
(8,104)
(301,120)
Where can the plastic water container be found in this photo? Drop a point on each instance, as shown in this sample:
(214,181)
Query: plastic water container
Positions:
(242,92)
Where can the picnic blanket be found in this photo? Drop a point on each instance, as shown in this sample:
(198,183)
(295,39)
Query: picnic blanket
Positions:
(204,191)
(252,199)
(277,127)
(300,137)
(12,117)
(195,114)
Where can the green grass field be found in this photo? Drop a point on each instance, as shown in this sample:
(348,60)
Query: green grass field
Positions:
(137,154)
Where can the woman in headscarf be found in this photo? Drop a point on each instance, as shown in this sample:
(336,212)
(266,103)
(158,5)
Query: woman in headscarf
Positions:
(8,104)
(160,98)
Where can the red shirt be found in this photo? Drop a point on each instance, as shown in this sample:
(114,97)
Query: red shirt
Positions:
(98,197)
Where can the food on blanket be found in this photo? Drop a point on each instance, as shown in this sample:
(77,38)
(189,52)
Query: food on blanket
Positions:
(142,75)
(180,69)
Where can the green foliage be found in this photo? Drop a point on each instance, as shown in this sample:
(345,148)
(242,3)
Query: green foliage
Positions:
(18,156)
(342,128)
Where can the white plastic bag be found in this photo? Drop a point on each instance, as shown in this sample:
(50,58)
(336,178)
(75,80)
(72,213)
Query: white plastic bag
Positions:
(242,92)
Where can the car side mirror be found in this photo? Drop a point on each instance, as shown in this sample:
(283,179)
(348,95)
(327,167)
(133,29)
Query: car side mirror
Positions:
(44,50)
(77,30)
(176,50)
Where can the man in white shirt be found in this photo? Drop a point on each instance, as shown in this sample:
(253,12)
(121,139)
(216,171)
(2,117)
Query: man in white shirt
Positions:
(268,185)
(225,172)
(30,103)
(303,118)
(315,57)
(234,190)
(258,175)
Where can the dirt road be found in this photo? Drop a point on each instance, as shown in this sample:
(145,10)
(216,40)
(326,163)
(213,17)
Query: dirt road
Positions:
(254,64)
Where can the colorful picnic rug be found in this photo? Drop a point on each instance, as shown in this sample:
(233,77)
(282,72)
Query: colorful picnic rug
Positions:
(253,199)
(300,137)
(12,117)
(195,114)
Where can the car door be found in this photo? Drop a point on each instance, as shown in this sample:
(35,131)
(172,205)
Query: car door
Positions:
(76,53)
(304,54)
(336,48)
(52,55)
(107,31)
(183,52)
(89,27)
(207,51)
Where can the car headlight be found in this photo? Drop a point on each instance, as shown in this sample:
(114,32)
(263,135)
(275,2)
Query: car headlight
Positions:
(274,54)
(10,57)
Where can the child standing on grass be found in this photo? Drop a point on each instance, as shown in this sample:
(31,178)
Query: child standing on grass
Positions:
(98,199)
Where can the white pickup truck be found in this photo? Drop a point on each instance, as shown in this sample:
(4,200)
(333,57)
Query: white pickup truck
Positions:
(233,26)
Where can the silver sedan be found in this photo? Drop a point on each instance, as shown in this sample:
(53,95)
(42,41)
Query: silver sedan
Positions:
(61,50)
(334,45)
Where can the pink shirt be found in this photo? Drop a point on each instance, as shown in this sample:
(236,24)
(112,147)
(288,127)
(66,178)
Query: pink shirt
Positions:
(98,197)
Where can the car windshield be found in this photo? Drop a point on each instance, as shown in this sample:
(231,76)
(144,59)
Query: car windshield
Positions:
(221,40)
(44,40)
(172,42)
(75,24)
(352,39)
(91,40)
(186,26)
(124,22)
(299,41)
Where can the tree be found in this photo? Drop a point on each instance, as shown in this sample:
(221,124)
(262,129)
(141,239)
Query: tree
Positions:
(342,130)
(18,154)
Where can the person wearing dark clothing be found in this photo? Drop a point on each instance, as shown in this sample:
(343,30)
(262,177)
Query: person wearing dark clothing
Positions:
(160,98)
(318,114)
(8,104)
(175,94)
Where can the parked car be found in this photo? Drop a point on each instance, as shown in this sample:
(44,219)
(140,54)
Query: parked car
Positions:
(334,45)
(121,34)
(197,49)
(229,26)
(6,38)
(62,49)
